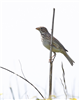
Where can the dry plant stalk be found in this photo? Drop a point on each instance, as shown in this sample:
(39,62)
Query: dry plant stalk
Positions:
(23,79)
(51,62)
(64,84)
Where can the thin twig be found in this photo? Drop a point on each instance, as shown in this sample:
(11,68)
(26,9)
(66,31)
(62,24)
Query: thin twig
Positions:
(23,79)
(63,88)
(64,77)
(50,73)
(64,85)
(21,69)
(12,93)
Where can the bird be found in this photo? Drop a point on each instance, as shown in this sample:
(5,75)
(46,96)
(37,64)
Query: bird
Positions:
(56,45)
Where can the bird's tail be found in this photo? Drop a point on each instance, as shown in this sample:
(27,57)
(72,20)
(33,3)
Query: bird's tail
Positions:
(68,58)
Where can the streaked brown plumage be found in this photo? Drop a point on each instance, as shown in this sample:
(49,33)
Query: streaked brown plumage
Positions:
(57,46)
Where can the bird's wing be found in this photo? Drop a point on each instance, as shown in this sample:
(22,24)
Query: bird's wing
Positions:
(57,44)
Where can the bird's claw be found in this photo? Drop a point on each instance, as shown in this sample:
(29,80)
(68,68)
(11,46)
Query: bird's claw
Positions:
(52,58)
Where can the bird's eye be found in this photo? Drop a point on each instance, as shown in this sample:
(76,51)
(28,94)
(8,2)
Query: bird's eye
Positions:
(42,29)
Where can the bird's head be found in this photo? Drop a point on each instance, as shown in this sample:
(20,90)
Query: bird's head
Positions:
(42,30)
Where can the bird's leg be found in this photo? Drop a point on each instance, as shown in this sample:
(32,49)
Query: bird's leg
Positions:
(53,57)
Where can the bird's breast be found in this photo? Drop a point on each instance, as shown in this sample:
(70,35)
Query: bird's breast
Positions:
(45,42)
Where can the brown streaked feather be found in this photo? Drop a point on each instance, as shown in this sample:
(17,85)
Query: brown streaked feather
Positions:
(58,44)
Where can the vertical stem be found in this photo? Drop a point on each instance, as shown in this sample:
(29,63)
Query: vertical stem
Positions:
(51,63)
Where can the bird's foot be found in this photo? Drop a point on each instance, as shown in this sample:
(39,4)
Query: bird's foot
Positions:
(52,58)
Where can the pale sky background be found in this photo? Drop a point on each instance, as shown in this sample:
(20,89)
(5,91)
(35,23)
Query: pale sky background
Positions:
(19,40)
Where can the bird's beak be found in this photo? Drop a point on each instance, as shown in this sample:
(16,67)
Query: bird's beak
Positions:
(37,28)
